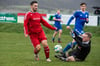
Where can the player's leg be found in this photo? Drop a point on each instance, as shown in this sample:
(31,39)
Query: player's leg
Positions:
(36,51)
(73,43)
(59,37)
(69,56)
(43,41)
(60,32)
(54,35)
(70,59)
(69,45)
(46,49)
(36,45)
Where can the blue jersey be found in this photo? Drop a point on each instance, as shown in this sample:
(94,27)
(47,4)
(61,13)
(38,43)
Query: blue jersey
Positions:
(57,16)
(80,20)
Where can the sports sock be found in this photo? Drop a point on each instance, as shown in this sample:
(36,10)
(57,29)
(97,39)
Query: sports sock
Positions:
(35,51)
(53,38)
(73,44)
(70,45)
(67,47)
(46,50)
(58,39)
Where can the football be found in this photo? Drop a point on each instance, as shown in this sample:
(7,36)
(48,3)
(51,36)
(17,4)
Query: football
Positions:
(57,48)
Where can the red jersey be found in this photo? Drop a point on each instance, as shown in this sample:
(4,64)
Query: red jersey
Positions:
(32,23)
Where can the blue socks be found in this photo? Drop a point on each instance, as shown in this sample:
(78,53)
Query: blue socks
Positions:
(67,47)
(70,45)
(58,39)
(53,38)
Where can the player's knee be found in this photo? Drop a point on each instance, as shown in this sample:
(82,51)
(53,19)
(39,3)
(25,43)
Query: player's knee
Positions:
(71,58)
(38,47)
(56,32)
(60,31)
(44,43)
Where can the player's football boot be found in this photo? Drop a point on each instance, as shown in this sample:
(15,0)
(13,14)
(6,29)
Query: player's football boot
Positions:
(59,42)
(48,60)
(62,58)
(57,56)
(36,57)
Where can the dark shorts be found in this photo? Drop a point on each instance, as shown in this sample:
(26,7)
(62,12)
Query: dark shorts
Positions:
(59,27)
(75,54)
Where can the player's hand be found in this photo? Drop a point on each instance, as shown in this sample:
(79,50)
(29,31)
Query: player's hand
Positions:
(61,21)
(87,19)
(26,35)
(55,28)
(68,27)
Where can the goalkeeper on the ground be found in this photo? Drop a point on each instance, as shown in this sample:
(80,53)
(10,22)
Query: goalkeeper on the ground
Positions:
(81,51)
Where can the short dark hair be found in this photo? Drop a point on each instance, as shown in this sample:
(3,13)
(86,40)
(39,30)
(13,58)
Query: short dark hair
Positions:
(89,34)
(31,3)
(83,4)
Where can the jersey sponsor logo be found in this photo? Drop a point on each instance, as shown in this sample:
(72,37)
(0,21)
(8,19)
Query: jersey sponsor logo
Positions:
(36,18)
(83,18)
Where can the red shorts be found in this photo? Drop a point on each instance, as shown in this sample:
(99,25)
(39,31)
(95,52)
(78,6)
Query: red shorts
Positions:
(36,38)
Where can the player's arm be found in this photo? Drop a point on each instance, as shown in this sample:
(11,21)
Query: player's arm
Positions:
(79,41)
(46,24)
(87,19)
(56,19)
(26,19)
(77,38)
(68,23)
(70,20)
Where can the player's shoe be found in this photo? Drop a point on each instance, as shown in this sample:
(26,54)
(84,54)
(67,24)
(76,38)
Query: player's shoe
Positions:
(62,58)
(57,56)
(48,60)
(36,57)
(59,42)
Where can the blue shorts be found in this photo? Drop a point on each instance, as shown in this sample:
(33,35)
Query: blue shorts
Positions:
(59,27)
(79,32)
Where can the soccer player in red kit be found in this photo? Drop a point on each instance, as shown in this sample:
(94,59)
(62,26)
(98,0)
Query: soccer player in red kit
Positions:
(32,27)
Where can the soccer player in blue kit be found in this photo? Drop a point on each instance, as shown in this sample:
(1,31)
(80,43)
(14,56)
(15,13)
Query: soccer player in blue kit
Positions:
(81,17)
(57,24)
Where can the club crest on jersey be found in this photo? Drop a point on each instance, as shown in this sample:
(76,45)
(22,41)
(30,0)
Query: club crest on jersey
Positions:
(80,14)
(86,15)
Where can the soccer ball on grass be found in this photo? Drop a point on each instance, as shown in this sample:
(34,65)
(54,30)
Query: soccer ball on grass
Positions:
(57,48)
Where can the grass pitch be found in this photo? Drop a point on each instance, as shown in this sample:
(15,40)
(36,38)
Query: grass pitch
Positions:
(16,50)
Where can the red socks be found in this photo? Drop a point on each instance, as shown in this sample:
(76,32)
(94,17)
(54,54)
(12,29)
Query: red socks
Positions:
(35,51)
(46,50)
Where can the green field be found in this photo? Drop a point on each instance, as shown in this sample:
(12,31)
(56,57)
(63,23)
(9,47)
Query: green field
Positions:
(16,50)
